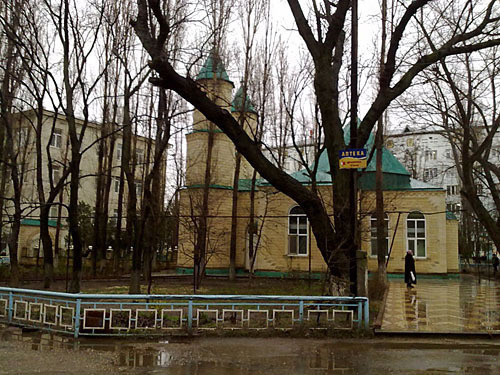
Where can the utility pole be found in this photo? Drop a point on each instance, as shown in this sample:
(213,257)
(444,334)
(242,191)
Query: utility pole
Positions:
(353,144)
(379,194)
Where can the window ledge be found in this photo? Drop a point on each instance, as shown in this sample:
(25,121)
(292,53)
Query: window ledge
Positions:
(296,255)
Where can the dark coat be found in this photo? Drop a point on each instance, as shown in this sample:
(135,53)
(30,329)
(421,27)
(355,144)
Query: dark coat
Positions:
(410,267)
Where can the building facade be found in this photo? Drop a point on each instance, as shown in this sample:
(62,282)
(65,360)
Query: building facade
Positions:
(280,234)
(56,154)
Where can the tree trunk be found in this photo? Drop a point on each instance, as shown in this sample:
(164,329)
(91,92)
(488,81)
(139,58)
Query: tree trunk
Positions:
(381,231)
(48,259)
(73,214)
(234,220)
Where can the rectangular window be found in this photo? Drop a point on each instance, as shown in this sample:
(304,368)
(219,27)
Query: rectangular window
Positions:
(119,150)
(430,173)
(116,184)
(415,234)
(56,138)
(114,218)
(451,190)
(430,154)
(373,234)
(297,235)
(53,212)
(138,188)
(139,156)
(56,173)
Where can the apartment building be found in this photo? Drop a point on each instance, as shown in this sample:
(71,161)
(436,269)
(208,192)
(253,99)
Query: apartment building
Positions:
(428,156)
(56,153)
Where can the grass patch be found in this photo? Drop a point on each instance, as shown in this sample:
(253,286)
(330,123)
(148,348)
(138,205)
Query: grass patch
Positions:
(285,287)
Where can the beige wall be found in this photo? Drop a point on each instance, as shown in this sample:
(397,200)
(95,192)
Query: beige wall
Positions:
(60,155)
(29,241)
(441,235)
(432,205)
(273,250)
(452,238)
(218,224)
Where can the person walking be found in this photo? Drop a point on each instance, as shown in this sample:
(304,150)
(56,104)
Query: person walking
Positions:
(496,262)
(410,274)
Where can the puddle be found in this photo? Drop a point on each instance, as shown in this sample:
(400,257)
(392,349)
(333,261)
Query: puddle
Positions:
(241,356)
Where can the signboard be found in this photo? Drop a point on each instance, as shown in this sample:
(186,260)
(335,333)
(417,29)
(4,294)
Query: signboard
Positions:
(352,158)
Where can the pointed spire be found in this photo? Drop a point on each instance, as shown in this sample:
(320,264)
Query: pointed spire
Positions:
(213,68)
(237,104)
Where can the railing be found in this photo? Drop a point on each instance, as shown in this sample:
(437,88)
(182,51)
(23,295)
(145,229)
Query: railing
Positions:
(126,314)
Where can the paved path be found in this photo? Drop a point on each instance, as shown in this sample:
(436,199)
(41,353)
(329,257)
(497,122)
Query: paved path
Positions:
(443,305)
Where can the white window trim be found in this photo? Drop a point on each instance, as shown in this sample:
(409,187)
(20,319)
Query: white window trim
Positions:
(119,151)
(56,138)
(425,235)
(288,235)
(387,238)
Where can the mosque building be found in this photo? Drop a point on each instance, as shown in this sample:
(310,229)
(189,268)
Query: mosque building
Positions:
(282,243)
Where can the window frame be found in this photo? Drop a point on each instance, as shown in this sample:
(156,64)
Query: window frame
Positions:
(139,156)
(415,239)
(297,234)
(56,173)
(51,212)
(119,151)
(373,219)
(116,185)
(138,188)
(56,138)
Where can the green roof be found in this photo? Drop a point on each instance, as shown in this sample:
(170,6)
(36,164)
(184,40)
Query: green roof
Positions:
(238,106)
(450,216)
(213,68)
(395,175)
(245,184)
(36,223)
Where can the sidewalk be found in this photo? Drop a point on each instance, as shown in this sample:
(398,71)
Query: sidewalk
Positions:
(443,306)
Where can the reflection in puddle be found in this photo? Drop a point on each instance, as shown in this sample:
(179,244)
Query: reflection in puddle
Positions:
(256,356)
(144,358)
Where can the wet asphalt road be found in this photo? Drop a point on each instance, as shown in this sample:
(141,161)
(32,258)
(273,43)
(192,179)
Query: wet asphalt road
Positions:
(24,353)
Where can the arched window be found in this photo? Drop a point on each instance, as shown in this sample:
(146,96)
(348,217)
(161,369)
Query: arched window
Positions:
(373,233)
(297,232)
(415,234)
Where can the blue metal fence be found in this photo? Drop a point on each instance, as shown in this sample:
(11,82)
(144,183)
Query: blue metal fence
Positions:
(126,314)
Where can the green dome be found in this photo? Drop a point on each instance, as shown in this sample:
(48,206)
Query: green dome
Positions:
(237,104)
(213,68)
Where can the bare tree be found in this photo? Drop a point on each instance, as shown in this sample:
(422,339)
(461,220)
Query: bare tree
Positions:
(464,106)
(75,28)
(324,38)
(13,159)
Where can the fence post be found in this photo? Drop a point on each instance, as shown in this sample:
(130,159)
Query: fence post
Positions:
(301,312)
(367,314)
(360,313)
(10,308)
(77,317)
(190,316)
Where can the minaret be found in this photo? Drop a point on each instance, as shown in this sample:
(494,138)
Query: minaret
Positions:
(244,112)
(215,82)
